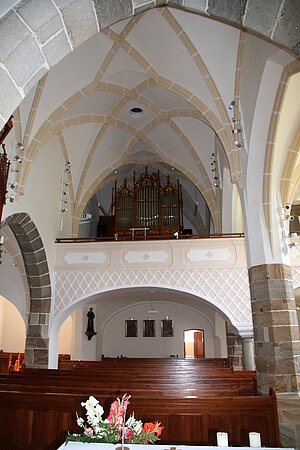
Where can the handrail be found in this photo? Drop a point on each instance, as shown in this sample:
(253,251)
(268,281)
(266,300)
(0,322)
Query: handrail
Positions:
(152,237)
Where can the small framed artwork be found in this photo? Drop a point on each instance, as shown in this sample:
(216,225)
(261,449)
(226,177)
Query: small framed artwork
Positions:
(167,327)
(131,328)
(149,328)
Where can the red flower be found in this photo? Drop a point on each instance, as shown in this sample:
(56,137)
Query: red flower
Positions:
(159,430)
(149,427)
(153,428)
(113,412)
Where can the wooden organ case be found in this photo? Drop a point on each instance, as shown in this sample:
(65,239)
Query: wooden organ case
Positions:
(149,208)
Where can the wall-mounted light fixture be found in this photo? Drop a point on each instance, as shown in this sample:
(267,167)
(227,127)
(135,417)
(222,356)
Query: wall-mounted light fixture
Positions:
(237,143)
(18,159)
(231,104)
(20,146)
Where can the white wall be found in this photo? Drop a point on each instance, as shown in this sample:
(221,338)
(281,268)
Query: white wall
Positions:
(12,328)
(65,336)
(110,327)
(115,343)
(11,284)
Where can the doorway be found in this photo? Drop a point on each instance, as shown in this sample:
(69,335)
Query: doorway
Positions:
(193,343)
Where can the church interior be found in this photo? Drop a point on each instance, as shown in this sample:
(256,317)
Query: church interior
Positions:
(150,206)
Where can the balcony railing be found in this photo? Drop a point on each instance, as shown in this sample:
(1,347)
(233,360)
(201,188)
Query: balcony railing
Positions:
(117,238)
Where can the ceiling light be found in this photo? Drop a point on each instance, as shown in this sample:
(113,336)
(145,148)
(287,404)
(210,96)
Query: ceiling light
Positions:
(64,210)
(13,185)
(234,120)
(136,111)
(21,146)
(18,159)
(238,130)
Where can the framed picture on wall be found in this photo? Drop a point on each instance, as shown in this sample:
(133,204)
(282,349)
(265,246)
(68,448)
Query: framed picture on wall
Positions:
(167,327)
(131,328)
(149,328)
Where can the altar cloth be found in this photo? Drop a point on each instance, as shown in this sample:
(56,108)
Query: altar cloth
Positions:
(83,446)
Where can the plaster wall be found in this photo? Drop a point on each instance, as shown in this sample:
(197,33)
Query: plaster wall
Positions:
(43,190)
(11,284)
(12,328)
(115,343)
(65,336)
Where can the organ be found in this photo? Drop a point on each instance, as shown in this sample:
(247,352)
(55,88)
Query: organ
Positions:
(148,207)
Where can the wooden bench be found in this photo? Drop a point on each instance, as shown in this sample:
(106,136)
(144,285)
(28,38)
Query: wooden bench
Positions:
(41,420)
(193,401)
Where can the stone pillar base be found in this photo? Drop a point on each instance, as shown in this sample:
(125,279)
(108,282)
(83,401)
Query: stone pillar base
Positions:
(288,406)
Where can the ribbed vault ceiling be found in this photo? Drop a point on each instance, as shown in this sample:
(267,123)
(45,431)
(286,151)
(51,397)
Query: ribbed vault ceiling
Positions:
(179,68)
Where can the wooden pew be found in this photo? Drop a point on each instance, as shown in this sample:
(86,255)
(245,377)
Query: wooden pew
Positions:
(193,401)
(43,419)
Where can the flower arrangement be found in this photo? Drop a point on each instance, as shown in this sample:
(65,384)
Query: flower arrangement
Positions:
(115,428)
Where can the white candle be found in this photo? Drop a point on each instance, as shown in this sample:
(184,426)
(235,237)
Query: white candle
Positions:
(222,439)
(254,440)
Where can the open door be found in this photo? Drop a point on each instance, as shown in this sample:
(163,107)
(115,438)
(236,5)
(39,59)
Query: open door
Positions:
(194,344)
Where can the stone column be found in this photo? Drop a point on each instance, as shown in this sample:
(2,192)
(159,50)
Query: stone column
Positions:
(276,333)
(248,353)
(234,348)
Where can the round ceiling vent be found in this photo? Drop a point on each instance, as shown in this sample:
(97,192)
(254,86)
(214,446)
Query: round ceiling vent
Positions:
(136,111)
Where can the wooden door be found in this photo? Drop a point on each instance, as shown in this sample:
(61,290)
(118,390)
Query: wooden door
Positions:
(198,344)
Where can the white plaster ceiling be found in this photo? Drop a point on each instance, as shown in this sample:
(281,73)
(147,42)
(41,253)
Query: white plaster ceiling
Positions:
(179,68)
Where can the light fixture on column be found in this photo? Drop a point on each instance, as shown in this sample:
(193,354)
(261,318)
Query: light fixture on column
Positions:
(238,144)
(237,130)
(231,104)
(17,159)
(20,146)
(13,185)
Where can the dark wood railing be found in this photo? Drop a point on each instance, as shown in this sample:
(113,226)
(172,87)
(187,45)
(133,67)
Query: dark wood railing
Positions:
(150,238)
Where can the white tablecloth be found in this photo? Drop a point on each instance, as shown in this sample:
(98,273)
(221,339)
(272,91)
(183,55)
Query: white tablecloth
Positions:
(81,446)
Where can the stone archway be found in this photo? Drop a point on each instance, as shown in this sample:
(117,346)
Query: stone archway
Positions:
(49,31)
(36,266)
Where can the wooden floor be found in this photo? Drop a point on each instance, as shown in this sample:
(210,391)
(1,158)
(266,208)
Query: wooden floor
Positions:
(193,399)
